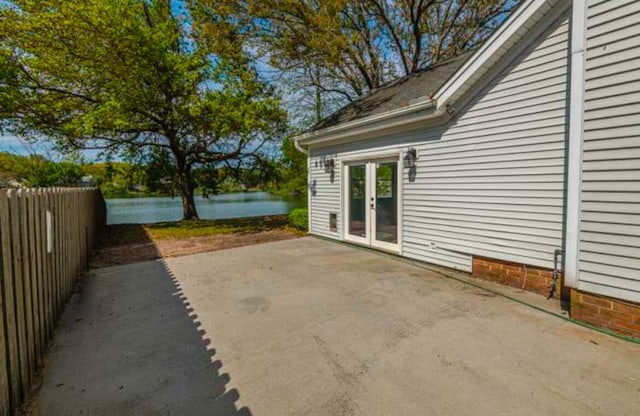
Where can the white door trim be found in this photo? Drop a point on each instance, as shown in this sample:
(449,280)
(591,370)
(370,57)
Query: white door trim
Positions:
(377,154)
(373,168)
(370,164)
(347,207)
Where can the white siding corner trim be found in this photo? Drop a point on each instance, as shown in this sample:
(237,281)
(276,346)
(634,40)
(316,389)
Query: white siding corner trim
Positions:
(576,121)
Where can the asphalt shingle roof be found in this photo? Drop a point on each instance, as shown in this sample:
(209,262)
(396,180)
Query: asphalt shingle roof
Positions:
(396,94)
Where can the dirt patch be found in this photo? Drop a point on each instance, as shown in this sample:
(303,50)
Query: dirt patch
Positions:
(123,254)
(131,243)
(183,247)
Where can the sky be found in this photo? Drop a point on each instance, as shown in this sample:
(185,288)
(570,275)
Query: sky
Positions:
(15,145)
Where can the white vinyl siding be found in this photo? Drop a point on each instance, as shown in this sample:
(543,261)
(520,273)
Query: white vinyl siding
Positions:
(324,192)
(491,182)
(609,257)
(494,184)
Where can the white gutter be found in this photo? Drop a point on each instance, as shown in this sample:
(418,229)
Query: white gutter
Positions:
(299,147)
(351,129)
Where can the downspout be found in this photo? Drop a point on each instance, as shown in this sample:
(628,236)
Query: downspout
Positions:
(576,128)
(301,149)
(554,280)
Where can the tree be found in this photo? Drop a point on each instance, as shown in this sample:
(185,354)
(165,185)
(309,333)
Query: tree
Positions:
(37,171)
(160,173)
(294,169)
(40,172)
(132,78)
(340,49)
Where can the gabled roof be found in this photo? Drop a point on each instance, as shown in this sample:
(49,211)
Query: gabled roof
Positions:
(437,89)
(397,94)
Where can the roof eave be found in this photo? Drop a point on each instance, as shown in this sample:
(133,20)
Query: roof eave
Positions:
(461,82)
(357,127)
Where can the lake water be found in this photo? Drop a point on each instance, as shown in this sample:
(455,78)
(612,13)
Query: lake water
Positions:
(234,205)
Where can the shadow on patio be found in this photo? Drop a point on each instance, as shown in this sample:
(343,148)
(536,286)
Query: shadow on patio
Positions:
(129,343)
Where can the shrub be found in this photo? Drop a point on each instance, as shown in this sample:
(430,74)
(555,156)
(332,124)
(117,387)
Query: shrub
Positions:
(299,218)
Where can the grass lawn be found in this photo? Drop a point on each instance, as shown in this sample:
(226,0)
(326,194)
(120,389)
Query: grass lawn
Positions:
(128,243)
(203,228)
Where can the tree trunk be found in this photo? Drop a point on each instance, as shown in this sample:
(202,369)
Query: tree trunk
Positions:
(185,179)
(187,188)
(189,211)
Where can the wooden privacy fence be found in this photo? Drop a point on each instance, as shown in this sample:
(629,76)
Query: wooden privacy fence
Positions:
(46,235)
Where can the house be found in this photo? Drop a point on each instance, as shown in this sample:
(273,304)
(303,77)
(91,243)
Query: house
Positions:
(502,161)
(88,181)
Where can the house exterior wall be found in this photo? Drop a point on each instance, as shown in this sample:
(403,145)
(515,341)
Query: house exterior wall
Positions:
(491,182)
(609,247)
(324,194)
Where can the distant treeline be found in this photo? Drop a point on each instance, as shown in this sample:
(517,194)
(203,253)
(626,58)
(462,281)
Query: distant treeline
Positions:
(155,177)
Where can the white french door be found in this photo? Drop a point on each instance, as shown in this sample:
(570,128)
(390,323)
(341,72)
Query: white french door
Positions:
(371,190)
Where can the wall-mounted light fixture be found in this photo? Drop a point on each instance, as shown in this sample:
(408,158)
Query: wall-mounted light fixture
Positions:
(329,165)
(313,188)
(410,157)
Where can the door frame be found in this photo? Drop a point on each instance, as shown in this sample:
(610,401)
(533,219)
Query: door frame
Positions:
(370,160)
(372,164)
(346,207)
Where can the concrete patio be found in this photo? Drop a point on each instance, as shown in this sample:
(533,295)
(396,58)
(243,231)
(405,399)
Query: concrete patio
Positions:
(309,327)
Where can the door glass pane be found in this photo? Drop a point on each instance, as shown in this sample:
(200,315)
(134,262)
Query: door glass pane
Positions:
(387,202)
(357,201)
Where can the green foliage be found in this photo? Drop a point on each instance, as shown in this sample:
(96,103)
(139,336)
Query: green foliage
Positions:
(43,173)
(294,164)
(136,78)
(150,177)
(332,51)
(299,218)
(9,166)
(36,171)
(160,174)
(119,179)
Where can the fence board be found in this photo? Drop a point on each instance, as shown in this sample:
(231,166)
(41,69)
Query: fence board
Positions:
(4,341)
(47,270)
(58,252)
(9,304)
(41,265)
(24,239)
(33,263)
(37,208)
(46,235)
(16,251)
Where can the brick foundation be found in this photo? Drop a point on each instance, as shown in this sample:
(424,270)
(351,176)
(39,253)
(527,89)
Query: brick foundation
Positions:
(620,316)
(518,275)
